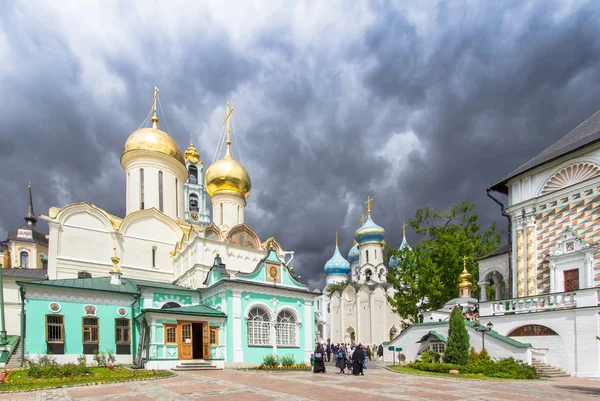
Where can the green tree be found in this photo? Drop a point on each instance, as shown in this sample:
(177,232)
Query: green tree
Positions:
(336,287)
(448,237)
(409,292)
(457,347)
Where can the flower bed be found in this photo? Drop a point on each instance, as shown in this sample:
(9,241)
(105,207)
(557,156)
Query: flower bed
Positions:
(301,366)
(21,380)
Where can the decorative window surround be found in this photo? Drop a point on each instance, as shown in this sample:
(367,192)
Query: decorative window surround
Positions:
(571,252)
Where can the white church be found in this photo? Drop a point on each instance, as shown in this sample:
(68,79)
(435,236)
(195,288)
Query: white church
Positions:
(360,312)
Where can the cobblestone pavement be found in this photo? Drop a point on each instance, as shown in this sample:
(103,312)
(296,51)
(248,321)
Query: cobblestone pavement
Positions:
(376,384)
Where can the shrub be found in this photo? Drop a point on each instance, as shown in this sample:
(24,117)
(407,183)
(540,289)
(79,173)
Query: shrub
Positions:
(457,347)
(270,361)
(430,357)
(288,361)
(437,367)
(104,359)
(47,367)
(508,368)
(81,360)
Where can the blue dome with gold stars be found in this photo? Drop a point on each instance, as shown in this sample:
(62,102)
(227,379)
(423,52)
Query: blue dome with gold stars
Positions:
(337,264)
(369,232)
(395,262)
(354,254)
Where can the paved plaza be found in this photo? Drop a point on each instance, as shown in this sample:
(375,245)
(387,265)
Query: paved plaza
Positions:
(377,384)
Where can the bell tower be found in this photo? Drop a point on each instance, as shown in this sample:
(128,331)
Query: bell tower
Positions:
(194,191)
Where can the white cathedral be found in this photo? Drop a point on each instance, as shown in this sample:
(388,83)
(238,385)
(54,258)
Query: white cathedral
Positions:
(360,312)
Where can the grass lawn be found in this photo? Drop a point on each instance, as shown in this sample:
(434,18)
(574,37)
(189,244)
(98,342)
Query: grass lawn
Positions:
(413,371)
(20,380)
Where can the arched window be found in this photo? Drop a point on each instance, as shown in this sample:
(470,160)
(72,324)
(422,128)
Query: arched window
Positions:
(24,260)
(170,305)
(153,256)
(375,256)
(221,213)
(160,191)
(367,255)
(368,274)
(142,188)
(193,174)
(532,330)
(286,329)
(193,203)
(258,327)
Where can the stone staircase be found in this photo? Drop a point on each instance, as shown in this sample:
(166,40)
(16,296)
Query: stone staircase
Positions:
(197,364)
(547,371)
(14,360)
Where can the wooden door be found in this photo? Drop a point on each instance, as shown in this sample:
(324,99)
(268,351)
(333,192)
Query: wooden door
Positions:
(185,345)
(571,280)
(205,340)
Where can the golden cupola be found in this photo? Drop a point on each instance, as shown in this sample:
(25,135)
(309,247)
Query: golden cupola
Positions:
(153,139)
(465,285)
(191,154)
(227,175)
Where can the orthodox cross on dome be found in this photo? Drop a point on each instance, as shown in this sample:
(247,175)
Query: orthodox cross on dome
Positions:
(404,230)
(362,219)
(336,239)
(154,116)
(465,262)
(227,129)
(368,203)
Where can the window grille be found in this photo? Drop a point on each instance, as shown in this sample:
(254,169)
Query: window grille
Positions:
(258,327)
(122,331)
(55,329)
(286,329)
(170,334)
(90,330)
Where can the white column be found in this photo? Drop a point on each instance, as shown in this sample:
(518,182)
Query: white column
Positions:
(53,243)
(372,318)
(483,292)
(273,335)
(307,321)
(238,351)
(358,328)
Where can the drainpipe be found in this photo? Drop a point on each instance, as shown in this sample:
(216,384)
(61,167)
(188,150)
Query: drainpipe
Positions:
(132,334)
(22,324)
(503,213)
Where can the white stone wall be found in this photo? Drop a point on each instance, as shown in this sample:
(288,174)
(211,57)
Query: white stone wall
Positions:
(228,210)
(495,347)
(152,163)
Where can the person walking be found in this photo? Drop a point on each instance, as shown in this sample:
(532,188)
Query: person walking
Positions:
(319,363)
(367,352)
(380,351)
(358,358)
(341,359)
(334,350)
(328,350)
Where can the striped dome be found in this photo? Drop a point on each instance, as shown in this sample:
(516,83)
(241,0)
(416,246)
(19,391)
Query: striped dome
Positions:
(369,232)
(354,254)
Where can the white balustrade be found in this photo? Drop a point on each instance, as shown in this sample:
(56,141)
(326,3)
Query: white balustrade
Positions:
(563,300)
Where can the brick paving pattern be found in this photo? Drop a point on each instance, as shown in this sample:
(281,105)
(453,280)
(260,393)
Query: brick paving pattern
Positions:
(376,384)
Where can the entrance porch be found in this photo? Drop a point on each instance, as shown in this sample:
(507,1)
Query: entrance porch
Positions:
(193,335)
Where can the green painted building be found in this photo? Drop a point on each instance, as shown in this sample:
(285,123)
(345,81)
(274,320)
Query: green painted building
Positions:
(236,319)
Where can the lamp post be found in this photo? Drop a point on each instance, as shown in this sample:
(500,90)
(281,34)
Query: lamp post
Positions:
(483,329)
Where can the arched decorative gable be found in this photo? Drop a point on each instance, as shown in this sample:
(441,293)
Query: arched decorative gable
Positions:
(243,235)
(261,305)
(212,232)
(570,175)
(85,215)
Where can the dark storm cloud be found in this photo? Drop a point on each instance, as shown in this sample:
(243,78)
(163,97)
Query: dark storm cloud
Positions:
(481,87)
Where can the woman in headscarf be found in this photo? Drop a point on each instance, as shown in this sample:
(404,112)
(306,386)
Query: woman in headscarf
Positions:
(358,358)
(319,362)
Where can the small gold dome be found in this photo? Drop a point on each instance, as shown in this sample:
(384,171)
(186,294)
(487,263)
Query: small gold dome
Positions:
(191,154)
(465,279)
(152,138)
(227,174)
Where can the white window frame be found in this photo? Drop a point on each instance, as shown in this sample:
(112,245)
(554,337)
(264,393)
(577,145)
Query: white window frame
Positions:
(285,329)
(259,327)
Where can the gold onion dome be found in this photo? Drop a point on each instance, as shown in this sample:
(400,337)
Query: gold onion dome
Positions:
(153,139)
(465,278)
(227,174)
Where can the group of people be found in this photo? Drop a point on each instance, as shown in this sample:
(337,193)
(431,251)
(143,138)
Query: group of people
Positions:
(345,356)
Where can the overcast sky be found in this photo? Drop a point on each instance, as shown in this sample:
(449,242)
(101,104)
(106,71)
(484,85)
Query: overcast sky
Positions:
(422,104)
